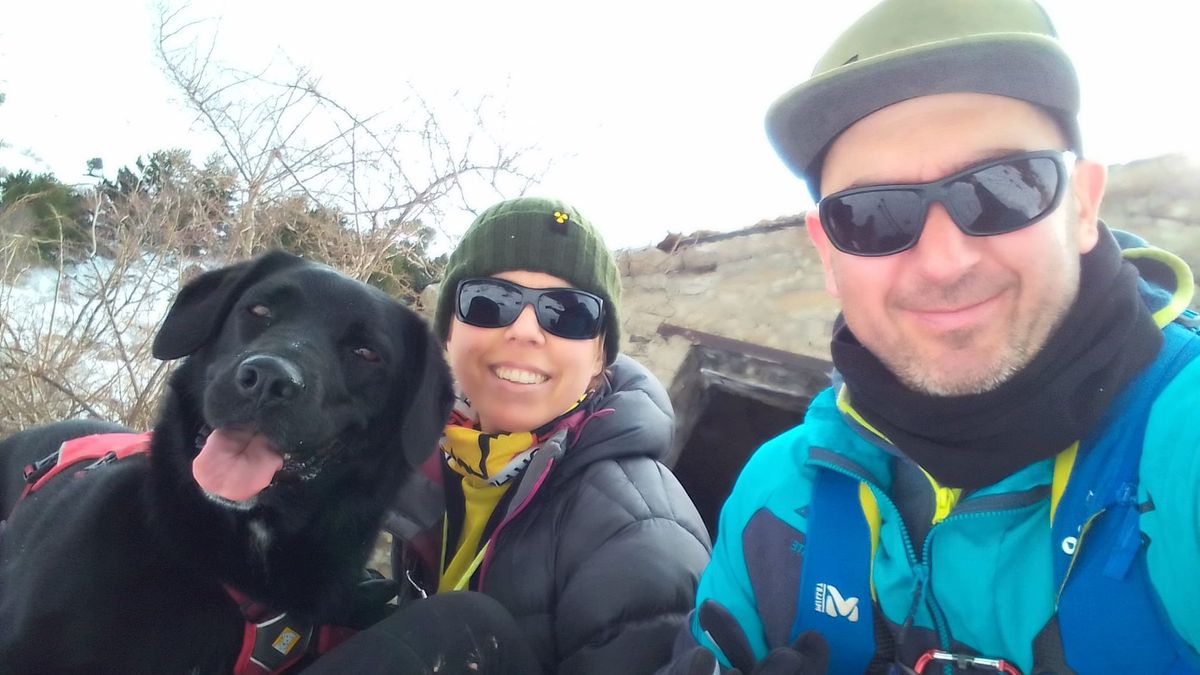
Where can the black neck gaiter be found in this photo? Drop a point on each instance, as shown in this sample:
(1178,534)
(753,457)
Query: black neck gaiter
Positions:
(972,441)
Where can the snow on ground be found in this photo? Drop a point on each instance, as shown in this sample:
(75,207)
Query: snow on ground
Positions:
(90,325)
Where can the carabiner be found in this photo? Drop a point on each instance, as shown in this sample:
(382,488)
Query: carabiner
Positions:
(962,661)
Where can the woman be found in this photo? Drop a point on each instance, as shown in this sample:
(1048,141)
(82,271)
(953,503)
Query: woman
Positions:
(553,499)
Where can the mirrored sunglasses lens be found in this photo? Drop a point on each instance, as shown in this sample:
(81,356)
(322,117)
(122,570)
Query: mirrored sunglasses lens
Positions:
(569,314)
(488,305)
(875,222)
(1004,197)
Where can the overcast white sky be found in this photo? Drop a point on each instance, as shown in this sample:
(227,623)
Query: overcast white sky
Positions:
(653,109)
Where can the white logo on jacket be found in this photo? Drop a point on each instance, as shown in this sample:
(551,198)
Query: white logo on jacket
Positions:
(829,601)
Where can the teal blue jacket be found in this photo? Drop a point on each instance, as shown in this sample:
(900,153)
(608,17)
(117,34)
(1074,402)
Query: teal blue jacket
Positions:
(988,556)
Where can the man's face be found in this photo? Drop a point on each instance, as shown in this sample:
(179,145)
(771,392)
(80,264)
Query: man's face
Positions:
(957,314)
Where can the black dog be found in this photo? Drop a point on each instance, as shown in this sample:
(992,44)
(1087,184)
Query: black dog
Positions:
(305,400)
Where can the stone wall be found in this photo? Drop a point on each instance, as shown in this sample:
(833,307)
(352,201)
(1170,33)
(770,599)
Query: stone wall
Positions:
(762,285)
(1158,199)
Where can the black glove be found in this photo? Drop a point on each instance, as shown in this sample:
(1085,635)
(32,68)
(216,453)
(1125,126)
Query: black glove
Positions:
(808,655)
(697,661)
(369,603)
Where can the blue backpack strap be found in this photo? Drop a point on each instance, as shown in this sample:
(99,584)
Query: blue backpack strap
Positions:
(1110,617)
(835,583)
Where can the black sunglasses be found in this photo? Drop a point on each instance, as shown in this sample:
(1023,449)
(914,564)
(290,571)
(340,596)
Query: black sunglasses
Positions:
(995,197)
(488,302)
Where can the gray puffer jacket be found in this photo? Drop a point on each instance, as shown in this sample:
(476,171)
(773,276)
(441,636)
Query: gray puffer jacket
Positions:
(596,550)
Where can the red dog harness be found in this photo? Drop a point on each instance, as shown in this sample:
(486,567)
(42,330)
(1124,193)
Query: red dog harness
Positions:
(101,449)
(272,641)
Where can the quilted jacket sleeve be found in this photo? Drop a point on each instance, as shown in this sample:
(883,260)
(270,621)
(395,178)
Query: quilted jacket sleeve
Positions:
(626,577)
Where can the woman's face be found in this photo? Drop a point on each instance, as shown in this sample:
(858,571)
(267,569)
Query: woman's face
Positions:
(518,377)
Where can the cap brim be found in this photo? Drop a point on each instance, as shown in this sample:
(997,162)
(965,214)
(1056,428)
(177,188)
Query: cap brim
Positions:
(1030,67)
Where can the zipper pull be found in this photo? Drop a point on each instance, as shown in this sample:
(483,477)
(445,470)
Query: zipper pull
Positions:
(920,580)
(413,582)
(1128,541)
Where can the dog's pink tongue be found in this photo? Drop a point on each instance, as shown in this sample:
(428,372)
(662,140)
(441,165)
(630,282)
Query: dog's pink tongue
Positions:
(236,465)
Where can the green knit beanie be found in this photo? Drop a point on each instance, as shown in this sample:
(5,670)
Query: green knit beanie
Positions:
(537,235)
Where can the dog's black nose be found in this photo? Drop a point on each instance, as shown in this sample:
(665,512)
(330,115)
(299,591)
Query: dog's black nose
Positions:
(269,379)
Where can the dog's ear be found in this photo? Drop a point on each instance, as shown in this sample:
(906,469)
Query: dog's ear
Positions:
(202,304)
(430,398)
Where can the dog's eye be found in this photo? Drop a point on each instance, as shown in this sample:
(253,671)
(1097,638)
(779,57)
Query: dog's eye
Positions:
(368,355)
(261,311)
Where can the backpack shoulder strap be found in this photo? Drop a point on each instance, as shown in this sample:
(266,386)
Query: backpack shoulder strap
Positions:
(1109,615)
(835,594)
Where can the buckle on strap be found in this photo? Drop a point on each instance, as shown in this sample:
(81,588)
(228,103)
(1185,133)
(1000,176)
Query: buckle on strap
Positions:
(33,472)
(108,458)
(962,662)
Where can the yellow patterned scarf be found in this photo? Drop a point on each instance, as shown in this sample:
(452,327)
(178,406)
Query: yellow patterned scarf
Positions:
(495,458)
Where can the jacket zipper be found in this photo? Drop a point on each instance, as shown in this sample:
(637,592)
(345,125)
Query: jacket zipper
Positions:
(935,610)
(1083,530)
(491,549)
(922,570)
(939,617)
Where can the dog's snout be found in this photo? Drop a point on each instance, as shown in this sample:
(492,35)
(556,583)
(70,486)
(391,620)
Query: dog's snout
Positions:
(268,379)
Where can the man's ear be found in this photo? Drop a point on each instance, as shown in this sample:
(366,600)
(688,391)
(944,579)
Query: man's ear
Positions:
(1087,189)
(824,249)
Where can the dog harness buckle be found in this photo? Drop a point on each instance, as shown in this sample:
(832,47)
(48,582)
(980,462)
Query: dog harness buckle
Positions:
(40,468)
(108,458)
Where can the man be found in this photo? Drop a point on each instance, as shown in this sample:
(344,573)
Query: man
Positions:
(1005,475)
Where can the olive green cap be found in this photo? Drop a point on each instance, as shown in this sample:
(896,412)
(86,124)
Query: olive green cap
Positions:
(903,49)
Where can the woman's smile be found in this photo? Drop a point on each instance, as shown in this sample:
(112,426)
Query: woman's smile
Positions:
(518,375)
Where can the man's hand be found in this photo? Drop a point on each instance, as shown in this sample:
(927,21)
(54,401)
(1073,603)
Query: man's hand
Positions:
(808,655)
